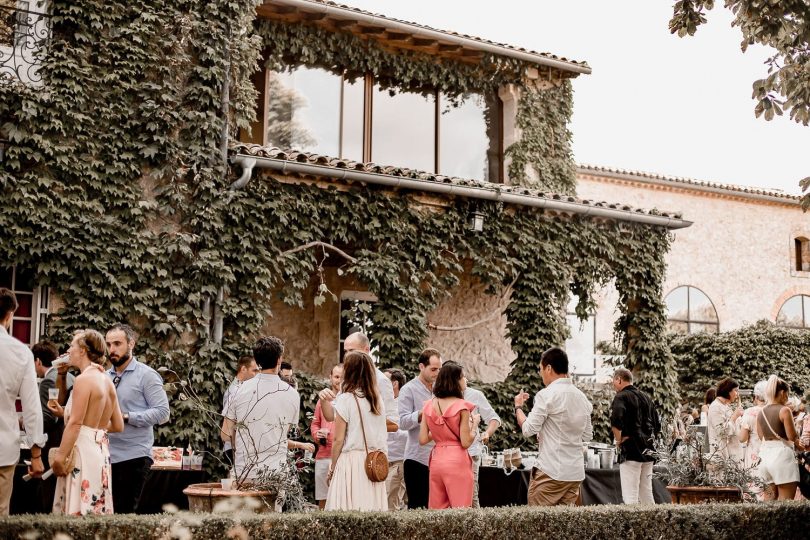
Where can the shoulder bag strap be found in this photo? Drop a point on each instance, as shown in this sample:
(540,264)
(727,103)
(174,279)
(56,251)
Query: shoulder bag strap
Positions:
(362,426)
(765,416)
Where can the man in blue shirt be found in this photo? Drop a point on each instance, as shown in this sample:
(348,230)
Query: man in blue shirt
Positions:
(143,404)
(412,398)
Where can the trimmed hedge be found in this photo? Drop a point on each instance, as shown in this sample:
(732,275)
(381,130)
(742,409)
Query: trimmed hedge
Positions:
(678,522)
(748,354)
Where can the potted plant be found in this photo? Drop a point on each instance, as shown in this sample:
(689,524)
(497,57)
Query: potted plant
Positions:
(255,488)
(694,475)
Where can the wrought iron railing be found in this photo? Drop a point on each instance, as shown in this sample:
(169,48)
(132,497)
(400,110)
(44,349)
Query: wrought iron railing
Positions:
(24,35)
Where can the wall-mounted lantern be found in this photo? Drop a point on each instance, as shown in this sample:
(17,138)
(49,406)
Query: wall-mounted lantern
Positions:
(475,221)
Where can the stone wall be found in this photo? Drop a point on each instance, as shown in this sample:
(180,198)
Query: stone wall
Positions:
(740,251)
(311,333)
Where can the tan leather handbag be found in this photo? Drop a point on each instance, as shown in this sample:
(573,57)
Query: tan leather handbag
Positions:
(376,460)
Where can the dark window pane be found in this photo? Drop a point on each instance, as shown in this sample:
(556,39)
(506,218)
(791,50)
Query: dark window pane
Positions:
(700,307)
(5,277)
(25,302)
(677,304)
(791,312)
(463,141)
(22,331)
(304,111)
(352,121)
(403,131)
(24,280)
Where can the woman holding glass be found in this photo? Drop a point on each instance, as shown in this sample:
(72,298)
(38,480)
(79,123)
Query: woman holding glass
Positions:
(90,413)
(448,421)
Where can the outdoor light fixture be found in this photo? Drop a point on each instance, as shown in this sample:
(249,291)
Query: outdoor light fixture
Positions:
(475,222)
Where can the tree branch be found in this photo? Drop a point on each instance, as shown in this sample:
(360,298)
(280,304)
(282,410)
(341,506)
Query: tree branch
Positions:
(497,312)
(323,245)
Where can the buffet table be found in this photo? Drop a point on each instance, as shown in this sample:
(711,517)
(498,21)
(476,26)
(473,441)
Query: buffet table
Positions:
(601,486)
(163,486)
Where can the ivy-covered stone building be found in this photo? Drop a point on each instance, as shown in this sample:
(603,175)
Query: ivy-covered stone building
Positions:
(211,171)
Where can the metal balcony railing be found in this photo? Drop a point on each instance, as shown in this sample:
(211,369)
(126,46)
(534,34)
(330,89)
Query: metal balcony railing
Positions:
(24,35)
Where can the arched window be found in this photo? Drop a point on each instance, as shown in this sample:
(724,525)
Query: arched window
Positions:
(689,311)
(801,254)
(795,312)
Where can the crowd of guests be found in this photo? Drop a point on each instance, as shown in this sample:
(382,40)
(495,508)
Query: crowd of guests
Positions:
(763,437)
(95,435)
(94,431)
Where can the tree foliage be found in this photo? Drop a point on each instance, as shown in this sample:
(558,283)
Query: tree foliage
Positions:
(780,25)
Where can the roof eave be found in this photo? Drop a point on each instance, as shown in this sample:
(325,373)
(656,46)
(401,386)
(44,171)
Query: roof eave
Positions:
(417,31)
(248,162)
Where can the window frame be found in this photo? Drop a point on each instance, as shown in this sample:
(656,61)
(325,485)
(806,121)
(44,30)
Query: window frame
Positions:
(40,299)
(805,315)
(369,83)
(688,320)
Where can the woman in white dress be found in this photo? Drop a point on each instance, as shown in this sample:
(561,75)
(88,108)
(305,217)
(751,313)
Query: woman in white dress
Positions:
(90,413)
(349,487)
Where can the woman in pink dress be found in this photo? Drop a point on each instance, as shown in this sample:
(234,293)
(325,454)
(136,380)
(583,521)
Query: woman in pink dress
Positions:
(447,420)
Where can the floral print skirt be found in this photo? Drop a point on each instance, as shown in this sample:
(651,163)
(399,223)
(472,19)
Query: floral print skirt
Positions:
(87,489)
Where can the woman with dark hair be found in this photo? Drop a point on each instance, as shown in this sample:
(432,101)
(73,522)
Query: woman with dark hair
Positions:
(723,426)
(83,486)
(448,421)
(711,395)
(777,466)
(359,428)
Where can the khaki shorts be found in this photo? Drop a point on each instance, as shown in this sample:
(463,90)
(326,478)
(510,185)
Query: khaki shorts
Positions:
(545,491)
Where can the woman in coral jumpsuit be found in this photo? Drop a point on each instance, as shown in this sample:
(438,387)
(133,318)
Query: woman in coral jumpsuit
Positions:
(448,421)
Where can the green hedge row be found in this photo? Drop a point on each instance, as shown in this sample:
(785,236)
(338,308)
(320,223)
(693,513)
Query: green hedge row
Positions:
(677,522)
(748,354)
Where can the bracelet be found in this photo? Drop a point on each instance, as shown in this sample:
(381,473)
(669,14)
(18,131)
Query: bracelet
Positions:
(38,456)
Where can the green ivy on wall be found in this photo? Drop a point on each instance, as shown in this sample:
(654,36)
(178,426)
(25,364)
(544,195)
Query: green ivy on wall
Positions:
(114,192)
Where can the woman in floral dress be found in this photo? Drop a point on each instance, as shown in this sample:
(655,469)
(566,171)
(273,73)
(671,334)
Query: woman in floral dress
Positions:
(90,413)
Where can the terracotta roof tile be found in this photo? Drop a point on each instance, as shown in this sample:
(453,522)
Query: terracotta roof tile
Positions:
(427,177)
(639,175)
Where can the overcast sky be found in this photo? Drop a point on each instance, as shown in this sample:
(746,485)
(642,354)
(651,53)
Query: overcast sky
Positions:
(654,102)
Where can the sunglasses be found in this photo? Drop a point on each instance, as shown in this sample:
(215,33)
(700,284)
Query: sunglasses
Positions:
(116,380)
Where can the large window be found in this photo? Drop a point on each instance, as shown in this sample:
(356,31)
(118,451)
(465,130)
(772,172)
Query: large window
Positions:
(795,312)
(689,311)
(304,112)
(315,110)
(28,322)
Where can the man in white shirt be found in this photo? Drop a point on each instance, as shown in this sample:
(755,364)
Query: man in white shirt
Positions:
(259,416)
(493,421)
(561,421)
(19,378)
(246,369)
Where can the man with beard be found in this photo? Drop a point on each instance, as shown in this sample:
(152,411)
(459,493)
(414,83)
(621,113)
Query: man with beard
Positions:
(143,405)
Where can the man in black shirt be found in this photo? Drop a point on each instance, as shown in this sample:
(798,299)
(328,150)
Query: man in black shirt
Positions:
(635,424)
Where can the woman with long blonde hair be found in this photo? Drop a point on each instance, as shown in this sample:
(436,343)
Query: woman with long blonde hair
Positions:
(778,466)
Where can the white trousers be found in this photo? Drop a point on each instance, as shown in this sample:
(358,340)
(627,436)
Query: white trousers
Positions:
(636,480)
